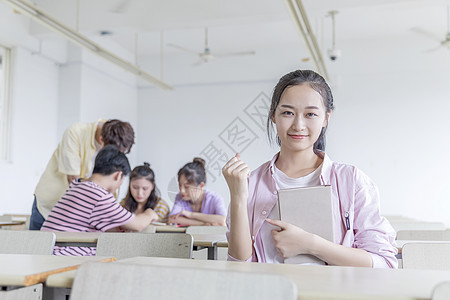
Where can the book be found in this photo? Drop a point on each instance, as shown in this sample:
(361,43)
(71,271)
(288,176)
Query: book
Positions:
(309,208)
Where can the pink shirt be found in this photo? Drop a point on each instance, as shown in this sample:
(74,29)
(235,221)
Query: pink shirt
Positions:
(353,194)
(212,204)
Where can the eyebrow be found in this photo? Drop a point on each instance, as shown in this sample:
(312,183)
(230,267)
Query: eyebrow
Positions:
(290,106)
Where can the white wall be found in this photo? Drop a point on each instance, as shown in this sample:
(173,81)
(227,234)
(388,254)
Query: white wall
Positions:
(176,126)
(390,121)
(51,90)
(33,129)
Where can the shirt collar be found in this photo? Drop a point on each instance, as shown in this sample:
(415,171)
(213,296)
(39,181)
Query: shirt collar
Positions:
(325,173)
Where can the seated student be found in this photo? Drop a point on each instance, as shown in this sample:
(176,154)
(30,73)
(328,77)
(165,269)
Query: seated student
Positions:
(195,205)
(143,194)
(89,205)
(301,107)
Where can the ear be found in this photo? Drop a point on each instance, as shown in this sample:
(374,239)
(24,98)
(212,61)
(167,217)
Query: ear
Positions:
(273,119)
(201,185)
(118,175)
(327,119)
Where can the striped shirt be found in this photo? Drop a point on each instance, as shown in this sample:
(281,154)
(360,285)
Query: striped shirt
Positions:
(85,207)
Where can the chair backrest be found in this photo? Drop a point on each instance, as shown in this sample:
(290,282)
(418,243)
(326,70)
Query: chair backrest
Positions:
(424,235)
(206,229)
(33,292)
(441,291)
(114,281)
(27,242)
(426,256)
(125,245)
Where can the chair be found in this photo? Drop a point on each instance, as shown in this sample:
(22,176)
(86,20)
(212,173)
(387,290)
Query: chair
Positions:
(100,281)
(27,242)
(33,292)
(424,235)
(441,291)
(206,229)
(125,245)
(426,256)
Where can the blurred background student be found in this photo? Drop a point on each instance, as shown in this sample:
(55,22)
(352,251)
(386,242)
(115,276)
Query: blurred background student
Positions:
(143,194)
(74,158)
(195,205)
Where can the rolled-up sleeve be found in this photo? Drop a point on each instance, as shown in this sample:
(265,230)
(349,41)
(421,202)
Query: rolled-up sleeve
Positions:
(373,233)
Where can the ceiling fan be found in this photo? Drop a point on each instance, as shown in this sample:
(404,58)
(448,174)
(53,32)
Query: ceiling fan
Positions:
(442,42)
(207,56)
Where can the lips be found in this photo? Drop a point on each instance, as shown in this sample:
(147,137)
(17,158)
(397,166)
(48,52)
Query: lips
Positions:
(298,136)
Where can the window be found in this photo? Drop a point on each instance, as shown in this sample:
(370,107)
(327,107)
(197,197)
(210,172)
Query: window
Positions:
(5,67)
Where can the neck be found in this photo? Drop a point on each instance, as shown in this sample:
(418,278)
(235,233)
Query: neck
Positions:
(101,180)
(140,207)
(296,164)
(199,200)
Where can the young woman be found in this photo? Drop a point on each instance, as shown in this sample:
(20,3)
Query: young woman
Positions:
(301,106)
(195,205)
(143,194)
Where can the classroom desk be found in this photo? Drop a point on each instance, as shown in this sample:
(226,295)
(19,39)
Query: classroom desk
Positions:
(28,269)
(329,282)
(76,239)
(313,282)
(169,229)
(9,224)
(401,243)
(208,241)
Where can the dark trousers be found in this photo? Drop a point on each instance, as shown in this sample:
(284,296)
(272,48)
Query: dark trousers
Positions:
(36,219)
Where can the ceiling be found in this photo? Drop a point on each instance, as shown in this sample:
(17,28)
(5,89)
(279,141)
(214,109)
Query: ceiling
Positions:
(242,25)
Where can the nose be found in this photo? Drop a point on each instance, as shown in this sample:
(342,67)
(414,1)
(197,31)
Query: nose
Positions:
(299,123)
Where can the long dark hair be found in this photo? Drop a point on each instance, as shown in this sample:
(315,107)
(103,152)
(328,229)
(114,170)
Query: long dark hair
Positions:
(147,173)
(194,171)
(317,83)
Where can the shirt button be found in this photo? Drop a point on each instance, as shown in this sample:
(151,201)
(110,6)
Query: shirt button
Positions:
(253,237)
(264,212)
(274,192)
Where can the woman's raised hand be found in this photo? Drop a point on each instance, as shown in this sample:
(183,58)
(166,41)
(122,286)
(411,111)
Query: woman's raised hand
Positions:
(236,173)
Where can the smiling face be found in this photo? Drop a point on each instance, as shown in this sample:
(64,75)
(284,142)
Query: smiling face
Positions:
(299,118)
(140,189)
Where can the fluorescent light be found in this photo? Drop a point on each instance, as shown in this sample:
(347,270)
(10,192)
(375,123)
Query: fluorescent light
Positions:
(82,41)
(301,21)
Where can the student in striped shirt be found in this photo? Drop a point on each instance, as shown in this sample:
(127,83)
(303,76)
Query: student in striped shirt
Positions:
(143,194)
(88,205)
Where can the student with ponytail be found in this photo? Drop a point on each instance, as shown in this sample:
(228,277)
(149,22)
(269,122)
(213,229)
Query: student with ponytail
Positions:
(195,205)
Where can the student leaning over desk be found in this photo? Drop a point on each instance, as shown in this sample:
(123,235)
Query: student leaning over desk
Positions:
(73,158)
(301,106)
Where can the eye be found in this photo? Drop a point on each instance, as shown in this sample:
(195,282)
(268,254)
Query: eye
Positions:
(311,115)
(287,113)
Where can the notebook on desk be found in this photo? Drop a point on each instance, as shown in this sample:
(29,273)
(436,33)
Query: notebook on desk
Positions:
(309,208)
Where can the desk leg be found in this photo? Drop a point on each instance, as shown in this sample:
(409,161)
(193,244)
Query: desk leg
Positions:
(212,253)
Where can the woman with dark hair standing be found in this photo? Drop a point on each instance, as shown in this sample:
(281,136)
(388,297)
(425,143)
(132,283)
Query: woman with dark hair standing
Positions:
(195,205)
(301,107)
(143,194)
